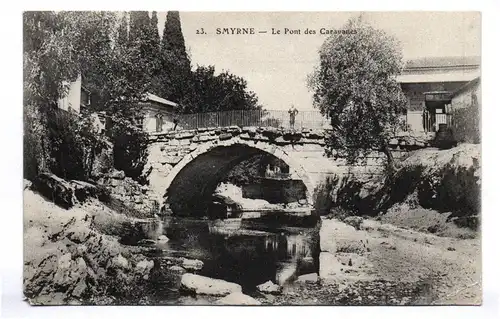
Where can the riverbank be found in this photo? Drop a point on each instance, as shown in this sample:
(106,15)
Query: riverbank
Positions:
(379,264)
(71,258)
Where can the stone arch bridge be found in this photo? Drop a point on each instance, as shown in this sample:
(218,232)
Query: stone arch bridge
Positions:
(184,167)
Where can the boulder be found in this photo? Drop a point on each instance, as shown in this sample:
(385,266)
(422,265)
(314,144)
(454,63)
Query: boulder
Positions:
(309,278)
(118,175)
(354,221)
(177,269)
(163,239)
(269,288)
(238,298)
(225,136)
(26,184)
(148,242)
(144,267)
(202,285)
(55,188)
(192,264)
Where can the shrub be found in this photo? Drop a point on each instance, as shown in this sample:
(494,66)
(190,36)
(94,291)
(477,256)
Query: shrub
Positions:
(454,189)
(74,145)
(129,148)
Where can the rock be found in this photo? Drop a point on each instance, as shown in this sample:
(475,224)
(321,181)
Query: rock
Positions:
(144,266)
(26,184)
(354,221)
(64,261)
(393,142)
(251,130)
(120,261)
(177,269)
(172,160)
(55,188)
(79,289)
(269,288)
(202,285)
(225,136)
(146,242)
(118,175)
(309,278)
(192,264)
(238,298)
(302,201)
(163,239)
(329,265)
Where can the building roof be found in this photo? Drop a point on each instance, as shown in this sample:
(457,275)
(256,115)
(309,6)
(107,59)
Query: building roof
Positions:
(433,77)
(157,99)
(443,62)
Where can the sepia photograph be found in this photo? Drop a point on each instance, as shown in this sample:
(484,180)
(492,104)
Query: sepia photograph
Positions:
(176,158)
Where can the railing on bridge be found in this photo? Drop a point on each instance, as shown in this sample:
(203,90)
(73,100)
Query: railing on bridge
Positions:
(277,118)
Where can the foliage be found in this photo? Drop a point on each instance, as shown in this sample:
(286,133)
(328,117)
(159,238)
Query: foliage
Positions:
(58,48)
(75,143)
(222,92)
(466,126)
(129,148)
(355,86)
(175,75)
(252,169)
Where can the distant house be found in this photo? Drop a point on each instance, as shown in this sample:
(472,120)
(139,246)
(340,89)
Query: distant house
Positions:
(429,83)
(158,114)
(72,100)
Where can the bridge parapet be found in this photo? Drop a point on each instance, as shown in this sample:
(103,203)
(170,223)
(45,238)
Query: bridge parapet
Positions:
(403,141)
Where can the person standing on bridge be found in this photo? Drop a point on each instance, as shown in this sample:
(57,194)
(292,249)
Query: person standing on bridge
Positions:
(293,112)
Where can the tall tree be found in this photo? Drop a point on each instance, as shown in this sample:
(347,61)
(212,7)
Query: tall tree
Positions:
(154,28)
(355,86)
(122,39)
(176,66)
(155,57)
(222,92)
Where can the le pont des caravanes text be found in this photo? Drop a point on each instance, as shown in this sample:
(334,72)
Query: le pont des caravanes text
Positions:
(278,31)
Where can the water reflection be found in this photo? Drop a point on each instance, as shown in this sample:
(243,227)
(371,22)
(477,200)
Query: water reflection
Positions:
(245,255)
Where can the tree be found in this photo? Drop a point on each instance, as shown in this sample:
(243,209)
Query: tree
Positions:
(57,48)
(175,63)
(355,86)
(122,39)
(154,29)
(222,92)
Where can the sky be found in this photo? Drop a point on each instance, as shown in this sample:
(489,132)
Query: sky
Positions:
(276,66)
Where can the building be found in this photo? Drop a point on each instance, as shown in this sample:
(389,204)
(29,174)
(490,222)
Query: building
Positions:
(158,114)
(429,83)
(76,97)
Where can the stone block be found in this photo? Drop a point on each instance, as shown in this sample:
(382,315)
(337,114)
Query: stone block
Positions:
(225,136)
(202,285)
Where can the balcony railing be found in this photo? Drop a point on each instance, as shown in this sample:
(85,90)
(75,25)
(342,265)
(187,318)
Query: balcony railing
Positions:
(276,118)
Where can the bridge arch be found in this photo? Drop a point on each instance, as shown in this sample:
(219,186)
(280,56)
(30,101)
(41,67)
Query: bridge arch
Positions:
(199,172)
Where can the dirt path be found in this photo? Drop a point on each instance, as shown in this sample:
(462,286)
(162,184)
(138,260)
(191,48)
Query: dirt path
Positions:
(382,264)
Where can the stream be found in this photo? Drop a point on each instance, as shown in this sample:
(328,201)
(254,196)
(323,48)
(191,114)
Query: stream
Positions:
(247,252)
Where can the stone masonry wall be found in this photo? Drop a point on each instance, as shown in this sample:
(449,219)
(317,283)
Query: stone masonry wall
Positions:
(302,150)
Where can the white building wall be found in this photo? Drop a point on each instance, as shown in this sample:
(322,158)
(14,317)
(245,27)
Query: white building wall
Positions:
(73,98)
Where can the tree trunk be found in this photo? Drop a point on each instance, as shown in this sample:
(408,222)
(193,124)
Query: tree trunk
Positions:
(390,159)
